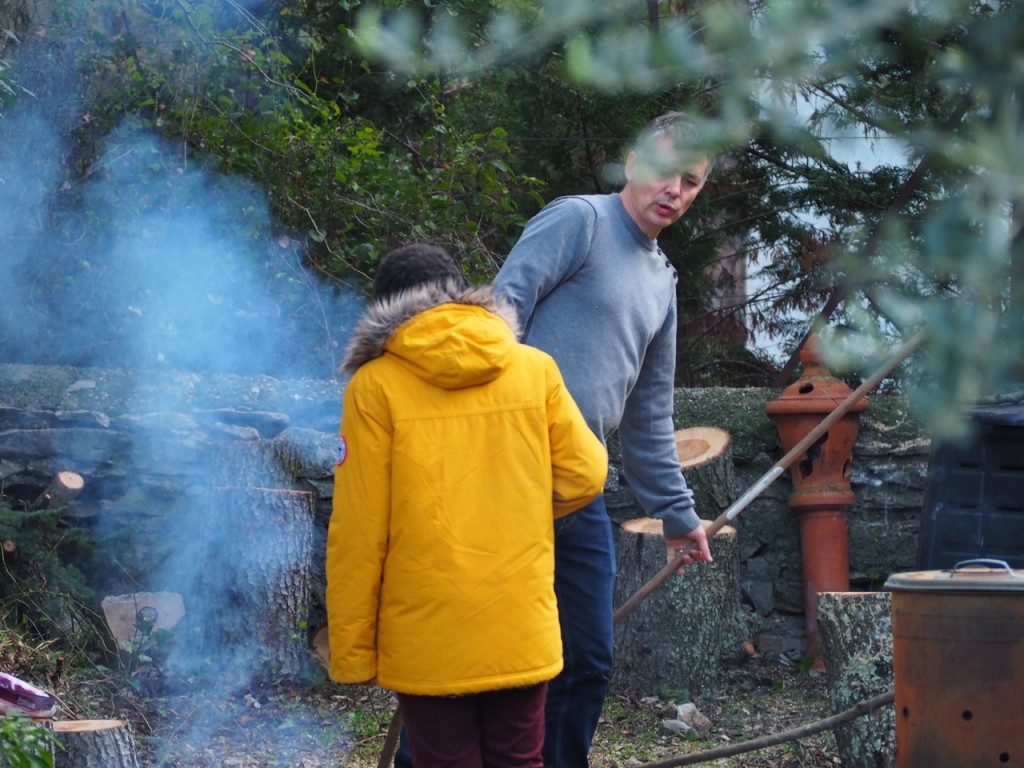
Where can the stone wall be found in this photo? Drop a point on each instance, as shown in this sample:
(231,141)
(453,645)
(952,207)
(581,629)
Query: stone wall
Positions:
(150,445)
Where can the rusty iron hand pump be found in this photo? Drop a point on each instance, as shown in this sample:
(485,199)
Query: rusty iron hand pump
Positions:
(797,451)
(821,493)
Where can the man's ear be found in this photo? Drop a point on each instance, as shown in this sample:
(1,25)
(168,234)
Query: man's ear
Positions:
(630,165)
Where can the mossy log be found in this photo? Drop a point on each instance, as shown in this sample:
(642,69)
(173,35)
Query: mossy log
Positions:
(856,635)
(671,643)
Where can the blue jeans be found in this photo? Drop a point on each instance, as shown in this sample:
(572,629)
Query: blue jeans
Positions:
(403,755)
(584,585)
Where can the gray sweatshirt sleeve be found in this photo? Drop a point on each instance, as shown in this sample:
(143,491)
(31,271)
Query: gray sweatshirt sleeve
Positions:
(647,438)
(552,247)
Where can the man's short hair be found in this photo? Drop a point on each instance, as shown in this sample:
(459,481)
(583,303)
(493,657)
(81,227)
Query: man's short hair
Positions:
(412,266)
(683,133)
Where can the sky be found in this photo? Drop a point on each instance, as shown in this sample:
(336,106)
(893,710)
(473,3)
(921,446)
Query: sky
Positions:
(859,153)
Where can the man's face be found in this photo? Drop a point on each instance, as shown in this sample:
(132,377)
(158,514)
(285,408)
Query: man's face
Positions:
(660,185)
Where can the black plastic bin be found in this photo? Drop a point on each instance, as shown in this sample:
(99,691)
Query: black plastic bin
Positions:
(974,500)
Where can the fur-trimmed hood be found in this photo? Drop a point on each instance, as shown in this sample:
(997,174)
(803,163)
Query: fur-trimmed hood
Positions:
(454,335)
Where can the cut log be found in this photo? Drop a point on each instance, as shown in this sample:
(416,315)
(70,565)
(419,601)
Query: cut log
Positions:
(94,744)
(61,491)
(245,570)
(856,635)
(697,445)
(706,456)
(671,643)
(250,603)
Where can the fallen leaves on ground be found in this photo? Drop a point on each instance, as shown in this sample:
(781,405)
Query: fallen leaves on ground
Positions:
(322,724)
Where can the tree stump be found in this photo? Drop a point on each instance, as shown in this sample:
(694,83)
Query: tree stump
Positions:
(274,561)
(706,456)
(671,643)
(94,744)
(61,491)
(856,635)
(248,602)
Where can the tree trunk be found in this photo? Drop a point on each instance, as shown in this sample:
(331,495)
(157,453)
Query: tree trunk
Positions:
(247,590)
(706,456)
(94,744)
(1015,309)
(671,643)
(856,635)
(258,590)
(249,464)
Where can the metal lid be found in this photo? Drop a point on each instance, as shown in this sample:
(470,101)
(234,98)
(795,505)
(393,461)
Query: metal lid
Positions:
(966,576)
(1009,414)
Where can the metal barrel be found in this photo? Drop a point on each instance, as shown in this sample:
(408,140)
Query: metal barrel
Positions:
(958,666)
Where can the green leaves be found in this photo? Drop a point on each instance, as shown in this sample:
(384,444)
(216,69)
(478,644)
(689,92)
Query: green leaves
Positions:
(24,744)
(370,124)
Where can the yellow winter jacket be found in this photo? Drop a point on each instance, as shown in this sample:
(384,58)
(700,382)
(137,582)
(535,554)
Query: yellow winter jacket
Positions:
(458,448)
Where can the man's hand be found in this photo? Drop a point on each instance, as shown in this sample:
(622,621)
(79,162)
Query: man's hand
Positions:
(693,547)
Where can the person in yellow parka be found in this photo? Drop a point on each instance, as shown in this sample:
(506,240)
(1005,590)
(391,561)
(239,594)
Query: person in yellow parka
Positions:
(459,447)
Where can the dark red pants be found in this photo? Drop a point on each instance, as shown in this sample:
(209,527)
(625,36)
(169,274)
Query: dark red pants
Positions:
(495,729)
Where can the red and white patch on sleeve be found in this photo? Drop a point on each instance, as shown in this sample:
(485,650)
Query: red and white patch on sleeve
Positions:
(341,452)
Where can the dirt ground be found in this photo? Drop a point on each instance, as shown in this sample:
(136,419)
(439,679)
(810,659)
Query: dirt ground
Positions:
(324,724)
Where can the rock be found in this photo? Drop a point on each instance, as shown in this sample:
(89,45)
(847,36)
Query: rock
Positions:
(133,618)
(759,594)
(695,719)
(676,728)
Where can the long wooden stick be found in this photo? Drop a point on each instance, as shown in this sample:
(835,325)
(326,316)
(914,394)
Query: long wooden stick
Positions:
(798,450)
(387,752)
(860,709)
(773,474)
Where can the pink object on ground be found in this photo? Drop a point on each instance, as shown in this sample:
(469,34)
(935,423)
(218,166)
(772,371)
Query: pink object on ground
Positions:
(18,696)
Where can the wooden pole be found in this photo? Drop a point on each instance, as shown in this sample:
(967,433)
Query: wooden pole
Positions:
(387,752)
(796,452)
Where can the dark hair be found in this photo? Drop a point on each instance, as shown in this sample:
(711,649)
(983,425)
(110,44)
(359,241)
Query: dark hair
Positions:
(414,265)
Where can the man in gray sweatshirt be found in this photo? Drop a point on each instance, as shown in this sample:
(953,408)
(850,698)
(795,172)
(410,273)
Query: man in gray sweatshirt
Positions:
(593,289)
